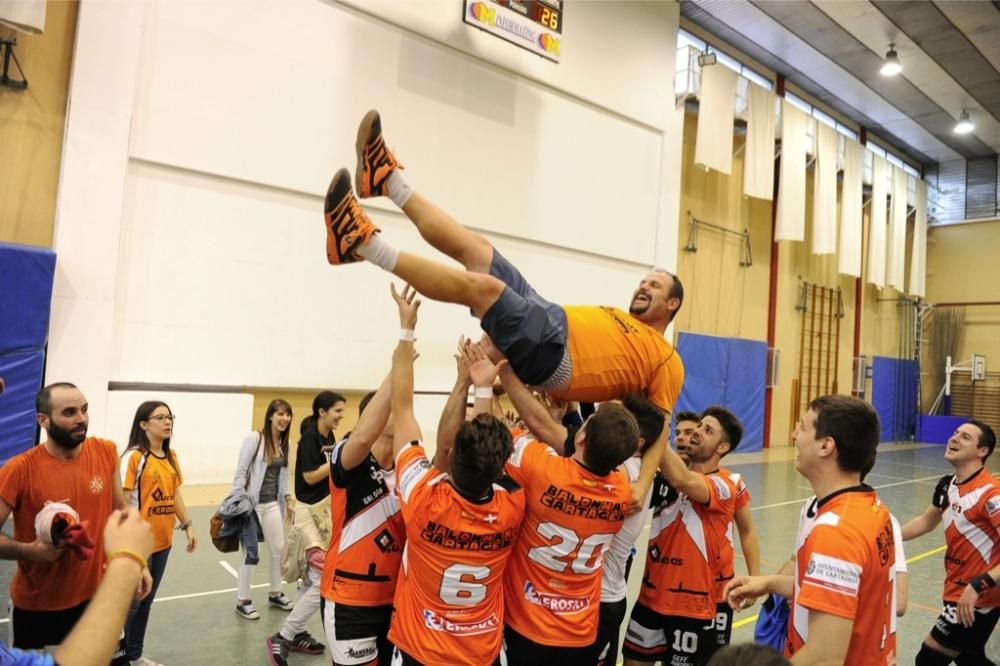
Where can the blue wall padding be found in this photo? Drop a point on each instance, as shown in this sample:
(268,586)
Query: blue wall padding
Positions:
(26,277)
(726,371)
(23,374)
(894,396)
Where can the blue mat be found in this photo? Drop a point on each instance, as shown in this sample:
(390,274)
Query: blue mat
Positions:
(894,396)
(25,302)
(726,371)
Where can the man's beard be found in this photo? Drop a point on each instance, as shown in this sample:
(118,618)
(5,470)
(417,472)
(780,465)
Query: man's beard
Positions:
(65,438)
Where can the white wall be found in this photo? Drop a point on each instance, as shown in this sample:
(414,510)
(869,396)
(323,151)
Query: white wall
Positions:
(202,134)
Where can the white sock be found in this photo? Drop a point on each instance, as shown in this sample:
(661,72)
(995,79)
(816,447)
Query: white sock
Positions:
(399,191)
(380,252)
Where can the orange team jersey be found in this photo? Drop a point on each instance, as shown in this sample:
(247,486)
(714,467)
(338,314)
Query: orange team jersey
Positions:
(845,561)
(154,492)
(553,584)
(86,483)
(972,531)
(614,353)
(685,539)
(367,535)
(727,555)
(449,600)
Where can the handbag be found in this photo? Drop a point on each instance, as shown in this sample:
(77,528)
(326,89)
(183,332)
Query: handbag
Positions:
(230,543)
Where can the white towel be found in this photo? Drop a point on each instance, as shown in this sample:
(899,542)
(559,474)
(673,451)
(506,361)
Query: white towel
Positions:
(824,219)
(758,158)
(918,258)
(713,146)
(877,222)
(851,224)
(23,15)
(896,247)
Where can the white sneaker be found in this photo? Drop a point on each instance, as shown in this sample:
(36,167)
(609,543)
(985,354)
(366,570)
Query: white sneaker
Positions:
(142,661)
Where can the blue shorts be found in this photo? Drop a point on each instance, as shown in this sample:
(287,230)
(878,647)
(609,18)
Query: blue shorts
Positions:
(529,330)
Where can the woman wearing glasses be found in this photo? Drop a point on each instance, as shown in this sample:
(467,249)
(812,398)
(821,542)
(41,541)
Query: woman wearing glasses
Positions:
(152,481)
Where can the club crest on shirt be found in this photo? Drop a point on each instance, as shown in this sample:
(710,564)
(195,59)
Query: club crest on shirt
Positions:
(97,484)
(992,505)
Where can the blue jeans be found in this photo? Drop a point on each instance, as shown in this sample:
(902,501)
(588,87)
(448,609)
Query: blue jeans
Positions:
(138,614)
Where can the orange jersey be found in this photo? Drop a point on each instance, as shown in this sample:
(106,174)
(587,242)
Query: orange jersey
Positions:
(449,600)
(727,556)
(367,535)
(27,482)
(153,492)
(553,584)
(685,539)
(845,561)
(614,353)
(972,531)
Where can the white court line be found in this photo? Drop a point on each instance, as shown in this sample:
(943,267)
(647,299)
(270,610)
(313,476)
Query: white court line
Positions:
(199,594)
(228,567)
(803,499)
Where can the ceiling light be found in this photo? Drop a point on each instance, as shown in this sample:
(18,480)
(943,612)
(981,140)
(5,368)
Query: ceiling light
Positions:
(964,124)
(891,66)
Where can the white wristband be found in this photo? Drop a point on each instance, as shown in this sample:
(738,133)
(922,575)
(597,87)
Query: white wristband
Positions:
(484,391)
(406,334)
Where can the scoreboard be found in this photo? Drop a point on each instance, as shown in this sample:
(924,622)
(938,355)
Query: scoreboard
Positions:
(535,25)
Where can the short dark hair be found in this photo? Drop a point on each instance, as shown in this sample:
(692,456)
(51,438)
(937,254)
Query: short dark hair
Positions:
(482,447)
(732,429)
(648,417)
(364,402)
(612,437)
(853,424)
(686,416)
(987,438)
(43,399)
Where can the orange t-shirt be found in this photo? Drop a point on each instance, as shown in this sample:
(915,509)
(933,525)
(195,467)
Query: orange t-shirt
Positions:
(35,477)
(449,598)
(727,554)
(553,584)
(614,353)
(972,532)
(845,559)
(685,541)
(157,488)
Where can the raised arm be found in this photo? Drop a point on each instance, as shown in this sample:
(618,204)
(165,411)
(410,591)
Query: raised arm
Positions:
(749,543)
(404,423)
(533,413)
(922,524)
(652,459)
(369,427)
(453,414)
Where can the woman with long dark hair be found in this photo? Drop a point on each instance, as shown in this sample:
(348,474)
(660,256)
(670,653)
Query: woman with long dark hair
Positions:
(152,481)
(263,471)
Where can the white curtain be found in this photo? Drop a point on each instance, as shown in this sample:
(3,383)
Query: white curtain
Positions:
(24,15)
(758,158)
(918,256)
(713,146)
(877,222)
(895,262)
(850,209)
(824,237)
(791,215)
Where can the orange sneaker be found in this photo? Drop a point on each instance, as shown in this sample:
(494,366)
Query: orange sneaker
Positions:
(375,161)
(347,224)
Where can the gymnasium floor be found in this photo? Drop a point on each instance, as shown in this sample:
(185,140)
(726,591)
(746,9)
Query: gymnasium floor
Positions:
(193,622)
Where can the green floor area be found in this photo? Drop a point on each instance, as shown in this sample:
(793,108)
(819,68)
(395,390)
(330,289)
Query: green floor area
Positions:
(193,621)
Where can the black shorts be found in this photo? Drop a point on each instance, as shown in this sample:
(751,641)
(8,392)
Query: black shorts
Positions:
(950,633)
(609,625)
(674,640)
(357,634)
(723,623)
(531,331)
(519,650)
(36,630)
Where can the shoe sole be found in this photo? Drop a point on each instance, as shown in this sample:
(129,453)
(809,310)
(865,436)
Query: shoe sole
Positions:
(307,650)
(364,134)
(248,617)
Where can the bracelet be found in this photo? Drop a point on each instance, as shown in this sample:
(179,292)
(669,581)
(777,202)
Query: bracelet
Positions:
(406,334)
(183,526)
(130,554)
(983,582)
(484,391)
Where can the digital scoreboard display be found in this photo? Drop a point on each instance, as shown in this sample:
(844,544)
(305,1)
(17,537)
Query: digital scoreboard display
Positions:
(535,25)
